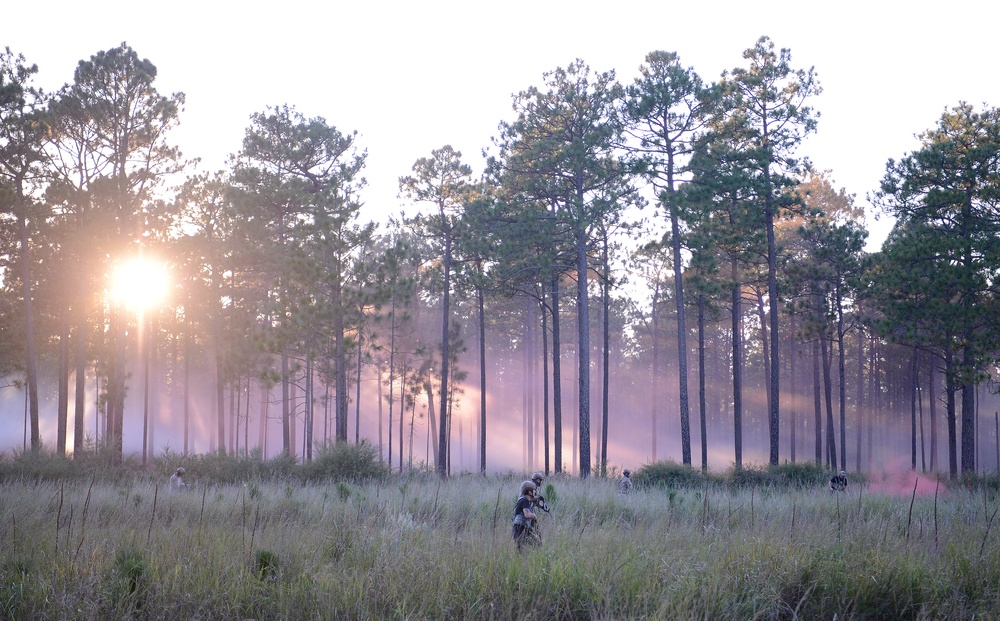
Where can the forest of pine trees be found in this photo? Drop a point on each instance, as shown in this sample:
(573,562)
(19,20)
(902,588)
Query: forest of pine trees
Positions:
(641,272)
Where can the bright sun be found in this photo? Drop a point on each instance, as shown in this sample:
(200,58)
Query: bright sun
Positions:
(140,284)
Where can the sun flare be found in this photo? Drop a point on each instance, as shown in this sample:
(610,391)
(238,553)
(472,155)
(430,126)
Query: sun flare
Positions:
(139,284)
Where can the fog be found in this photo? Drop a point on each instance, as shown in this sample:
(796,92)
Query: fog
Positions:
(515,428)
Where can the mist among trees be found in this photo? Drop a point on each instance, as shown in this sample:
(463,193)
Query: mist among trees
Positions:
(641,271)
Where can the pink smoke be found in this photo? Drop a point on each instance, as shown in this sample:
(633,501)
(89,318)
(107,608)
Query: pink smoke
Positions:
(899,480)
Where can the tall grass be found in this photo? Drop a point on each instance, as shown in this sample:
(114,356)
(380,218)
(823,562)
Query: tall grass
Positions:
(421,548)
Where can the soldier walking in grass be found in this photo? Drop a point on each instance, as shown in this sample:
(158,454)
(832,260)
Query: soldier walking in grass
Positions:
(539,502)
(524,519)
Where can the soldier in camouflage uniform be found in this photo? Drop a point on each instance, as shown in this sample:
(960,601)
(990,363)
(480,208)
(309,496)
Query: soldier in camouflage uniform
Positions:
(625,483)
(524,519)
(539,502)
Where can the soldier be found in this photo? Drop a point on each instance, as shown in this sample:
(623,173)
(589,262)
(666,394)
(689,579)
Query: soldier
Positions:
(625,483)
(524,518)
(539,502)
(177,480)
(838,482)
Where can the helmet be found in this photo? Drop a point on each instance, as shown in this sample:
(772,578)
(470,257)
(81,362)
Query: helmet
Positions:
(526,487)
(843,473)
(537,477)
(627,472)
(180,472)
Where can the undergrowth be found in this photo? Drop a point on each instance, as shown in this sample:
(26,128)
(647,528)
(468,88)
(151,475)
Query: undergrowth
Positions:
(334,547)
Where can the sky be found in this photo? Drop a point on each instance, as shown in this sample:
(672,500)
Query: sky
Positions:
(410,77)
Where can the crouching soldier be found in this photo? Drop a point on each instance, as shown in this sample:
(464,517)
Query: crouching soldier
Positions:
(524,518)
(838,482)
(177,480)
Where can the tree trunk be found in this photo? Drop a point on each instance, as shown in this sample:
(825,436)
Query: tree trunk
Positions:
(545,383)
(764,342)
(950,388)
(29,333)
(795,350)
(583,328)
(442,466)
(842,382)
(655,388)
(737,364)
(831,434)
(913,410)
(482,386)
(81,384)
(286,414)
(932,411)
(340,412)
(682,367)
(606,382)
(702,405)
(357,384)
(556,376)
(429,387)
(187,385)
(860,399)
(146,345)
(968,415)
(63,405)
(772,294)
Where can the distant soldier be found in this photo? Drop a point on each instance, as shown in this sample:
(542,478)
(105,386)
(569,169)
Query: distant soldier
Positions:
(539,502)
(177,480)
(625,483)
(838,482)
(524,518)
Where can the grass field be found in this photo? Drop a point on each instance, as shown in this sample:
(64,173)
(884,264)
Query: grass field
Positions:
(420,548)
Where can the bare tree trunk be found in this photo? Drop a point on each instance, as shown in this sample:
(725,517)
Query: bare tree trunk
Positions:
(842,382)
(795,351)
(144,348)
(63,405)
(583,353)
(860,398)
(737,364)
(655,388)
(429,387)
(932,398)
(528,386)
(606,377)
(29,331)
(81,384)
(913,410)
(442,466)
(187,385)
(262,439)
(765,345)
(545,383)
(286,415)
(831,434)
(702,405)
(556,376)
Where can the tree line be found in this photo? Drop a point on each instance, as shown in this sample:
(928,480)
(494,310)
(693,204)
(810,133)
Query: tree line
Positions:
(671,216)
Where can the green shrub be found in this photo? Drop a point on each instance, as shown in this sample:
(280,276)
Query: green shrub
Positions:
(800,475)
(128,579)
(346,462)
(101,463)
(265,564)
(668,474)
